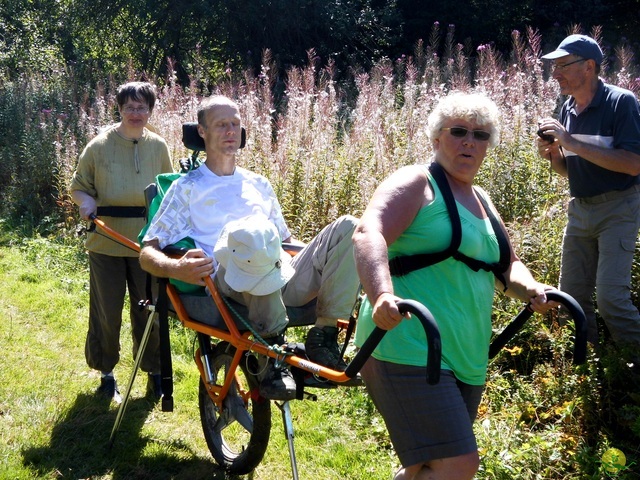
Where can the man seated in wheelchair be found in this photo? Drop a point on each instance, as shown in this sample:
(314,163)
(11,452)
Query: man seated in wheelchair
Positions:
(236,221)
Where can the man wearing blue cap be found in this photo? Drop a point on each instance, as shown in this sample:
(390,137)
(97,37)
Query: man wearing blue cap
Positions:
(595,142)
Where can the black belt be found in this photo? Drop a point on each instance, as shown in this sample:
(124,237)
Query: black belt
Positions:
(126,212)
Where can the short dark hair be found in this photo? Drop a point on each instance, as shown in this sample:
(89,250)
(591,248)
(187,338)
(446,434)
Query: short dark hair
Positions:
(138,91)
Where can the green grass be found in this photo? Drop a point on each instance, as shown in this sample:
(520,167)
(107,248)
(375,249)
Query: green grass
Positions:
(52,425)
(540,418)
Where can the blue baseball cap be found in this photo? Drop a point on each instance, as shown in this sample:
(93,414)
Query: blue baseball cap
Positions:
(580,45)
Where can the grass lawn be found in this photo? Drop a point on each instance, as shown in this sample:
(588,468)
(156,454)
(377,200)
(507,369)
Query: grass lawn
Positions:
(552,421)
(53,426)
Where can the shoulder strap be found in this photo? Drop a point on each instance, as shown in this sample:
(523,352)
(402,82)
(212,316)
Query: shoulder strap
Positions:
(503,242)
(499,268)
(437,172)
(405,264)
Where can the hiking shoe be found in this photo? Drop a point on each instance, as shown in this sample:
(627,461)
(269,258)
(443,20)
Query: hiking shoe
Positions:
(278,383)
(322,348)
(109,389)
(154,386)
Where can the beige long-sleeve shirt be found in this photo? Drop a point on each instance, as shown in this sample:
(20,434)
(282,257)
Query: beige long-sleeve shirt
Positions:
(108,171)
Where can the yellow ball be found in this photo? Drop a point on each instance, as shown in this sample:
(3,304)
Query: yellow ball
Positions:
(613,460)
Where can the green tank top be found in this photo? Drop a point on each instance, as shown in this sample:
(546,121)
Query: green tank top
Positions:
(460,299)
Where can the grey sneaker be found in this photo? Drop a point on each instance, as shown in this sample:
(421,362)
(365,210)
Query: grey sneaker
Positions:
(322,348)
(278,383)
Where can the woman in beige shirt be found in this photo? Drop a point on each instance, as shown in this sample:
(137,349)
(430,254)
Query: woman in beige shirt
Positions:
(112,173)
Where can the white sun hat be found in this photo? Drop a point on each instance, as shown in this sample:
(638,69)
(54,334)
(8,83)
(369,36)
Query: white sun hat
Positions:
(250,250)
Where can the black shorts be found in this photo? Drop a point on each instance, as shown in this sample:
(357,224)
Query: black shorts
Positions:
(425,422)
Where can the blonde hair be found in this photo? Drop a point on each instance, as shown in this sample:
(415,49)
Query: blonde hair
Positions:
(472,107)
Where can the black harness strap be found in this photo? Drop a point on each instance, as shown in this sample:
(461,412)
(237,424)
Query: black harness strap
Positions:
(499,268)
(166,366)
(404,264)
(126,212)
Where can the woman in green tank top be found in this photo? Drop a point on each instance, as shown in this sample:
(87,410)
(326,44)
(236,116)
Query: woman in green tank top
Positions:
(431,425)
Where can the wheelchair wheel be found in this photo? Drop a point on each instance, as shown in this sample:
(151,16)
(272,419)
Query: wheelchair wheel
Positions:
(238,436)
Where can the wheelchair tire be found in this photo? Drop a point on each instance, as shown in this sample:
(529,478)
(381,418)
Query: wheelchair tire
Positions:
(238,437)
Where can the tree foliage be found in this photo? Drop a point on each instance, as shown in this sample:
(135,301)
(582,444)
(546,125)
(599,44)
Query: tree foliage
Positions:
(350,32)
(27,43)
(206,38)
(140,35)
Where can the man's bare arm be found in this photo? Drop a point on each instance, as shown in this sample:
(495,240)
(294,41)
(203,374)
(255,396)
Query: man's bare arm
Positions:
(192,267)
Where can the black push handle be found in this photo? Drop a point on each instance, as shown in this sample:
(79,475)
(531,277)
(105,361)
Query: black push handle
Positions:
(576,312)
(433,341)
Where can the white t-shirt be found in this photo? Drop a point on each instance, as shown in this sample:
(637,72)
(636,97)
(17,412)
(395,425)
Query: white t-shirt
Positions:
(201,203)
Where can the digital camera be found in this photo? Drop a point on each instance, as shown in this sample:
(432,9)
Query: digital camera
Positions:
(546,138)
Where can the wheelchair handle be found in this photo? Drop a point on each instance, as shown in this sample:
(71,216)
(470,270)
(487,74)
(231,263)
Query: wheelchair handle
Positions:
(117,237)
(574,308)
(433,341)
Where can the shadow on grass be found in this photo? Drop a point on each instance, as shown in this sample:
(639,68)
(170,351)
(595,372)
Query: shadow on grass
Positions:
(79,447)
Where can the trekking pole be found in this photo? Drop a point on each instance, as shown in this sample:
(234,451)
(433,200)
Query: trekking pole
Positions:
(141,349)
(576,312)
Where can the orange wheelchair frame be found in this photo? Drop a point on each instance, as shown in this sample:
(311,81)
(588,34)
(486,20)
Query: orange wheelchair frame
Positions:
(228,388)
(229,397)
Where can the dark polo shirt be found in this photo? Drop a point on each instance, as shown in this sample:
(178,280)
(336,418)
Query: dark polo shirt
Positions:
(612,120)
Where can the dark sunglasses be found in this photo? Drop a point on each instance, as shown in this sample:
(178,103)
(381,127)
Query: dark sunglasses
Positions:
(461,132)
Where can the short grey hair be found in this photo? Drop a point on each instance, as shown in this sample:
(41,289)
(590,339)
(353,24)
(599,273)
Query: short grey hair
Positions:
(472,107)
(212,102)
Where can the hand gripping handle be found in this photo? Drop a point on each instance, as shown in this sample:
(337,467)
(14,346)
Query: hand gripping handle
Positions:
(576,312)
(433,341)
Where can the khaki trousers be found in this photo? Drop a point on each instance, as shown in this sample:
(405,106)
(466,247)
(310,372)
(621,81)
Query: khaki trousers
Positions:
(597,255)
(325,281)
(109,279)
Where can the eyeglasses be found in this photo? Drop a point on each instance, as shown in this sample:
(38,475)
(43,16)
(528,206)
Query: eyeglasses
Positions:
(562,67)
(140,110)
(461,132)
